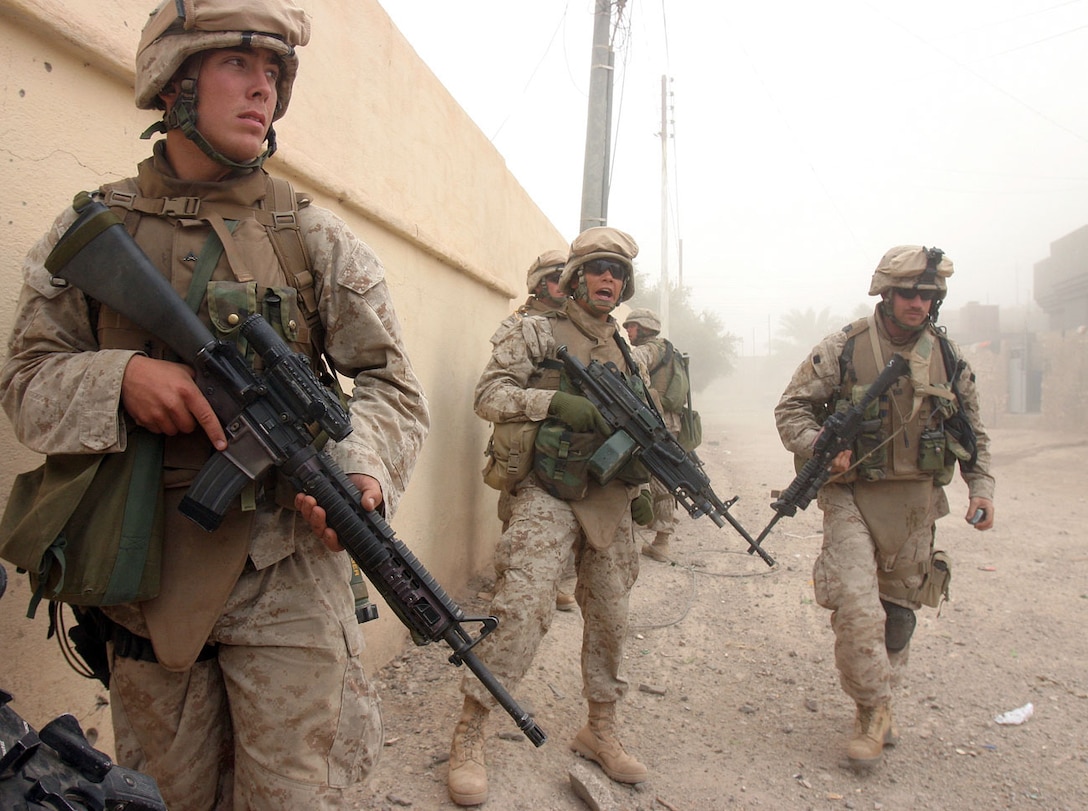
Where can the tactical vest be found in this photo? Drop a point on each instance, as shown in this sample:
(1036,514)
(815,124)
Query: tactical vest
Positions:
(580,344)
(247,230)
(906,440)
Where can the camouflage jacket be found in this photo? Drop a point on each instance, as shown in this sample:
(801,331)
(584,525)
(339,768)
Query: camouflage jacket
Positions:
(62,391)
(815,385)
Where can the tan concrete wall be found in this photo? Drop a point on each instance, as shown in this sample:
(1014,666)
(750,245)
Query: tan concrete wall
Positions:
(374,136)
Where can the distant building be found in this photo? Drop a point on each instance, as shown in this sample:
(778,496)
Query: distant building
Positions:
(1061,282)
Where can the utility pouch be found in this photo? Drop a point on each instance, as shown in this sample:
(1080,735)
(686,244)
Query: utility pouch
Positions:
(509,454)
(931,451)
(561,459)
(935,587)
(88,527)
(691,430)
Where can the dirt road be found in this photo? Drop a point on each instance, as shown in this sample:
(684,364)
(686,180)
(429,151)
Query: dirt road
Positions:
(734,700)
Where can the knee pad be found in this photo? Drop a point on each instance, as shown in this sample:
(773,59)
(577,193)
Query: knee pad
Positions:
(898,627)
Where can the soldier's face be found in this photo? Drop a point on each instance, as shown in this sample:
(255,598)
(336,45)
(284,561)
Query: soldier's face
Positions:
(604,282)
(910,308)
(236,99)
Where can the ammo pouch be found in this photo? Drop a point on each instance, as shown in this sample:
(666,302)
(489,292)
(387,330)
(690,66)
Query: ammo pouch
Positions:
(509,454)
(561,459)
(870,451)
(88,527)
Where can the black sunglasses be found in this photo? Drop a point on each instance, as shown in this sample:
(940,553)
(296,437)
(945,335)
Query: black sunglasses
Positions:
(597,267)
(907,293)
(552,277)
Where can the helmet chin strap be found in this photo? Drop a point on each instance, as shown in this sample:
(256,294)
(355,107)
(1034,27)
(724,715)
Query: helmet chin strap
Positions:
(183,116)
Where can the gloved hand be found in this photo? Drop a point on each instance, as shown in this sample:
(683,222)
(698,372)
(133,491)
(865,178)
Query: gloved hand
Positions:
(642,509)
(577,412)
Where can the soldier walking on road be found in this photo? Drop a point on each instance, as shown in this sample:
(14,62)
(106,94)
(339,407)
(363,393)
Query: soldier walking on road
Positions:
(557,509)
(878,566)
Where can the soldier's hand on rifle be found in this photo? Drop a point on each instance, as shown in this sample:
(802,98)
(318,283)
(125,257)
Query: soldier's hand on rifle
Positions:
(163,398)
(371,499)
(578,412)
(841,462)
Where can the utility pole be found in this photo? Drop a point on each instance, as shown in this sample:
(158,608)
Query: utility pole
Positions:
(598,122)
(663,289)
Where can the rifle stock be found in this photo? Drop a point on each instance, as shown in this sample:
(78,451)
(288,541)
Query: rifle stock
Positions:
(679,470)
(268,423)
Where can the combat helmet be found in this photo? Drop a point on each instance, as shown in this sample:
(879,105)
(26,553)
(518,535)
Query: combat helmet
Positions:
(600,242)
(645,318)
(912,266)
(179,29)
(547,262)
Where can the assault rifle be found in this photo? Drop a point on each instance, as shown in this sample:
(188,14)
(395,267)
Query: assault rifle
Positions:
(836,435)
(271,420)
(639,432)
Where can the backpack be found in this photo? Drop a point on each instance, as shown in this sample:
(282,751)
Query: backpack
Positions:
(674,365)
(677,396)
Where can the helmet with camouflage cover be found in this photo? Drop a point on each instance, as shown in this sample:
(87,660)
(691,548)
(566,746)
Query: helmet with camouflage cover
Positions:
(913,266)
(600,242)
(180,29)
(548,262)
(645,318)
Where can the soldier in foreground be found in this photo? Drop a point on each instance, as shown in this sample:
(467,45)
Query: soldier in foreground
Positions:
(878,566)
(553,512)
(240,685)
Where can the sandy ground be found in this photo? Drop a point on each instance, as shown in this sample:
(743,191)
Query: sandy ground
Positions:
(734,699)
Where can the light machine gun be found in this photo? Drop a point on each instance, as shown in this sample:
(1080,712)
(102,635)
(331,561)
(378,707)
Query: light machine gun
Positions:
(270,420)
(836,435)
(639,432)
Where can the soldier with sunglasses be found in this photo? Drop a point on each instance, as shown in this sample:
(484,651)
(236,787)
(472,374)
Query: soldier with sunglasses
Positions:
(554,514)
(877,565)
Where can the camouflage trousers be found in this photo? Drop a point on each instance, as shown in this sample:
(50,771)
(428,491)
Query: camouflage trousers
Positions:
(845,580)
(282,718)
(529,564)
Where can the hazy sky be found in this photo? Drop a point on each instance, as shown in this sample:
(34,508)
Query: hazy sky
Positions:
(808,137)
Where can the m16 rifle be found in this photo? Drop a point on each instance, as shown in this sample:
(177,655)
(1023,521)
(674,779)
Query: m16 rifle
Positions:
(640,433)
(836,435)
(271,421)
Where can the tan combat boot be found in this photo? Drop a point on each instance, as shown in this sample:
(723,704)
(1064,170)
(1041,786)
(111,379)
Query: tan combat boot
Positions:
(873,730)
(597,741)
(565,601)
(659,549)
(467,779)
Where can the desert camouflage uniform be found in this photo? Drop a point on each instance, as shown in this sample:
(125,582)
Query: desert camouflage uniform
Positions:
(652,353)
(543,529)
(875,531)
(283,712)
(532,306)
